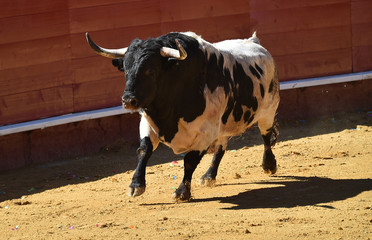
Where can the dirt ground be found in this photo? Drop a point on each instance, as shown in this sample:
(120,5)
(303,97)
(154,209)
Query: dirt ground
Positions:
(322,190)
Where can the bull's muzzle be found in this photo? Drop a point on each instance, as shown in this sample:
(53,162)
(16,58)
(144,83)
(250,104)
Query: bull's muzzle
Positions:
(130,102)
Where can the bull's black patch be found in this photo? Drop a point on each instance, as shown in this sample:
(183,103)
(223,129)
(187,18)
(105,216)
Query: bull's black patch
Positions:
(237,112)
(254,104)
(271,86)
(218,76)
(247,116)
(228,81)
(258,68)
(215,76)
(244,94)
(250,119)
(262,90)
(254,72)
(229,108)
(243,81)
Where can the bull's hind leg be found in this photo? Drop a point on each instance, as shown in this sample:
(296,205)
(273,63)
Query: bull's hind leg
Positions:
(269,129)
(191,161)
(209,178)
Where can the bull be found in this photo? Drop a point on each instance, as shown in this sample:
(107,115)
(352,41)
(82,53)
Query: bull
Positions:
(193,96)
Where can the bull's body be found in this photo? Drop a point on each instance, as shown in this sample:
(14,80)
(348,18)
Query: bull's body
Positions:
(197,103)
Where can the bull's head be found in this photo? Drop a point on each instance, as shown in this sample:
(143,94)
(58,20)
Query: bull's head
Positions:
(142,62)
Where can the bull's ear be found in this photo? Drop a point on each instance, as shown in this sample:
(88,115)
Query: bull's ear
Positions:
(118,62)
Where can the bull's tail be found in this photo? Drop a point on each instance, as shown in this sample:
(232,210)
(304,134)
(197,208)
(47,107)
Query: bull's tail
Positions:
(254,38)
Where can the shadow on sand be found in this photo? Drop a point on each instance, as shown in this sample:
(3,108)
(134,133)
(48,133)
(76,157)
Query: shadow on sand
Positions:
(292,191)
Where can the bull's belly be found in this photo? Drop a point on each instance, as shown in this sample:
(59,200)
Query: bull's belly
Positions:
(201,136)
(194,136)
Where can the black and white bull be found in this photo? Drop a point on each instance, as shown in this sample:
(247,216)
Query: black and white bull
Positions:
(194,96)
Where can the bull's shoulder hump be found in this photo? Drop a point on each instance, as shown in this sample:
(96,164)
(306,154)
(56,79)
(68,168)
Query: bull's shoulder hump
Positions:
(201,41)
(245,47)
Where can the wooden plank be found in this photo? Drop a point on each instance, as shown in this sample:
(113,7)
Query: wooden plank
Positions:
(114,16)
(93,69)
(112,38)
(98,94)
(30,27)
(178,10)
(9,8)
(36,104)
(361,11)
(13,151)
(34,77)
(362,58)
(269,5)
(304,41)
(20,54)
(219,28)
(362,34)
(296,19)
(361,19)
(316,64)
(93,3)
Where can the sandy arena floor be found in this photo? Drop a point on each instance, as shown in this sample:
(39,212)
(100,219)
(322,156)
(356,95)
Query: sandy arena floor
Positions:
(322,190)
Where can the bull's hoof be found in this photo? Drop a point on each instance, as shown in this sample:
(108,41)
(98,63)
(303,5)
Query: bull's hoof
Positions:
(207,181)
(136,191)
(269,163)
(183,193)
(270,171)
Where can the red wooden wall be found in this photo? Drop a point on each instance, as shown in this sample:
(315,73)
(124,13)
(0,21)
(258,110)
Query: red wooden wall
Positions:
(47,69)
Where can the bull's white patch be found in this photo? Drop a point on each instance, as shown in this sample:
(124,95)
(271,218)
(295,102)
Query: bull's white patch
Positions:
(149,129)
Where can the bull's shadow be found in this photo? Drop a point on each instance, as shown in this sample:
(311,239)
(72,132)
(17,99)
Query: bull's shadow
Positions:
(296,191)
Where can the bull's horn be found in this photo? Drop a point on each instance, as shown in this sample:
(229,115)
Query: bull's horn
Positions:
(110,53)
(179,54)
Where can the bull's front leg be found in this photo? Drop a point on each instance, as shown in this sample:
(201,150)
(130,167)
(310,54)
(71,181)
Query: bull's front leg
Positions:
(144,152)
(191,161)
